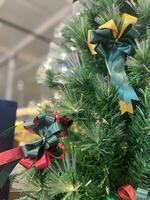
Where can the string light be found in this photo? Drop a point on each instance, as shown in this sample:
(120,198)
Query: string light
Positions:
(73,48)
(63,55)
(64,69)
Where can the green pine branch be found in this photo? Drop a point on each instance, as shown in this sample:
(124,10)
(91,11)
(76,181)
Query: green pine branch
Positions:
(109,150)
(139,65)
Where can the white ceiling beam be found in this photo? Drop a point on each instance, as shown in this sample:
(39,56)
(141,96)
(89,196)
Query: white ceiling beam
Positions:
(30,66)
(24,56)
(52,21)
(32,6)
(10,79)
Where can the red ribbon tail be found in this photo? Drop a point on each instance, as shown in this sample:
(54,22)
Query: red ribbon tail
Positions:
(127,192)
(43,162)
(26,163)
(10,155)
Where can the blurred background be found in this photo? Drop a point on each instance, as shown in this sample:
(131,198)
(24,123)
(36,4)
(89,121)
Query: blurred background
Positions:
(27,28)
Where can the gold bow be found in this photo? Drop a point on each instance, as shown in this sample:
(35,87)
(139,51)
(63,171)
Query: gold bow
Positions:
(125,107)
(126,20)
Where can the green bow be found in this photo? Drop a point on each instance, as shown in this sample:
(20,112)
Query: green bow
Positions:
(115,45)
(38,153)
(48,130)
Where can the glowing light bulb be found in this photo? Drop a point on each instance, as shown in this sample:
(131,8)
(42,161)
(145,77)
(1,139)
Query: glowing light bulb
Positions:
(64,55)
(73,48)
(64,69)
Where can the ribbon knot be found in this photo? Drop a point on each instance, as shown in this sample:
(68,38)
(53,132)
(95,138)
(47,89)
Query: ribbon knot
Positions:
(115,45)
(37,148)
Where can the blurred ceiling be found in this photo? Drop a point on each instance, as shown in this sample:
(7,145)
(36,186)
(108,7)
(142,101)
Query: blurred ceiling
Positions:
(26,28)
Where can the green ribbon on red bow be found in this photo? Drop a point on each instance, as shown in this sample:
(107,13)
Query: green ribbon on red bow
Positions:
(40,152)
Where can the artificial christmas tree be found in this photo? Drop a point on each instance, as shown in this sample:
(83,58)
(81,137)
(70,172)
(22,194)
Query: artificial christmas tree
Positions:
(107,95)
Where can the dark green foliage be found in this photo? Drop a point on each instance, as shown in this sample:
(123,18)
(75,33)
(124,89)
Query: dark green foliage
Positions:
(142,9)
(49,79)
(108,149)
(139,65)
(140,142)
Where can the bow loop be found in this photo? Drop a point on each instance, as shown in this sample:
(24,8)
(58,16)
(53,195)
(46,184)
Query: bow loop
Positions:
(50,142)
(127,192)
(43,162)
(101,35)
(127,21)
(110,25)
(49,120)
(55,128)
(32,150)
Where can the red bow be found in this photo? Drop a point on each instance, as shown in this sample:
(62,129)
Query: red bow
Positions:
(127,192)
(44,161)
(63,120)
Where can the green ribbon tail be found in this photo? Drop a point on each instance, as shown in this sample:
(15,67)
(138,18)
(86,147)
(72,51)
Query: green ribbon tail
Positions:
(6,171)
(115,62)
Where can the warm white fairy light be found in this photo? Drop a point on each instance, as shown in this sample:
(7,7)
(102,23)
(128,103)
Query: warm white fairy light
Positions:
(64,69)
(72,40)
(90,181)
(42,70)
(73,48)
(58,35)
(49,59)
(57,96)
(47,66)
(64,56)
(60,81)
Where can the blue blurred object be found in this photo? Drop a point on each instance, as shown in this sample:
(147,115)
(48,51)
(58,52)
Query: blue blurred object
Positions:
(7,120)
(142,194)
